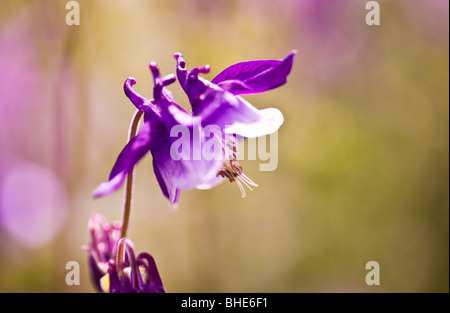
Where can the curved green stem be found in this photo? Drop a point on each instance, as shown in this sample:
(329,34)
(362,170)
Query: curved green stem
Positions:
(128,195)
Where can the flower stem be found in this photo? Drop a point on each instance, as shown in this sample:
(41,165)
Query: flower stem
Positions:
(128,195)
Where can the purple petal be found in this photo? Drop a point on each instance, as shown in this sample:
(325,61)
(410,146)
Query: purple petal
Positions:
(95,273)
(181,70)
(115,284)
(133,152)
(169,190)
(211,183)
(153,283)
(183,170)
(237,116)
(139,101)
(255,76)
(192,85)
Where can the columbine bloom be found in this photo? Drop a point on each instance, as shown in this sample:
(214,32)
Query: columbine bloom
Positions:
(218,103)
(113,264)
(102,248)
(174,170)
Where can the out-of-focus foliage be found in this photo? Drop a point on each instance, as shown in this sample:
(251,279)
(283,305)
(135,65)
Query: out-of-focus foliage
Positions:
(363,154)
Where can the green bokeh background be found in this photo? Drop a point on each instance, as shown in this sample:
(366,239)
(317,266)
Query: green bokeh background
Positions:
(363,153)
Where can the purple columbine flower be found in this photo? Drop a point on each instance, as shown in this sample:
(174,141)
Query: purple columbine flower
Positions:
(215,104)
(102,248)
(218,103)
(114,265)
(173,169)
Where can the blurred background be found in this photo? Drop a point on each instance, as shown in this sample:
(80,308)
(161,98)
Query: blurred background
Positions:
(363,166)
